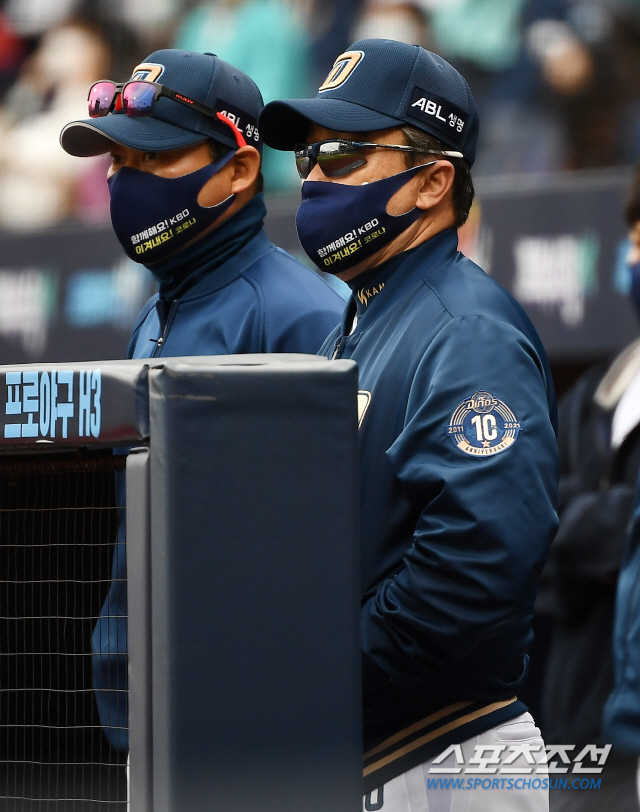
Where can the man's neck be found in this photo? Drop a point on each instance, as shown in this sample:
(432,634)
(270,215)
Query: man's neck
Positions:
(421,231)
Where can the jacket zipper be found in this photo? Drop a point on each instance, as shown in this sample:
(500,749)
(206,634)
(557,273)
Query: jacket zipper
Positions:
(342,340)
(160,341)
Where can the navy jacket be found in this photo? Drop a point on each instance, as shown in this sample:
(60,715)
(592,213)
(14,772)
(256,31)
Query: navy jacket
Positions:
(262,300)
(621,720)
(459,467)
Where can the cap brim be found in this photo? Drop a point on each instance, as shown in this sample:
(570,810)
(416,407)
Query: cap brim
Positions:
(96,135)
(283,124)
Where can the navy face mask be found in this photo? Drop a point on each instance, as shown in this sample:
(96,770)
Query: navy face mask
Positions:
(153,216)
(635,286)
(339,225)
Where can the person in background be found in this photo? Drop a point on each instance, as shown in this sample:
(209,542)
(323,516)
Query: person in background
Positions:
(621,717)
(12,52)
(485,40)
(186,201)
(330,25)
(39,184)
(266,39)
(392,19)
(589,57)
(599,440)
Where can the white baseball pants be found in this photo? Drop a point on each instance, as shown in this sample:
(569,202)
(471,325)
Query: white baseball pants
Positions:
(419,790)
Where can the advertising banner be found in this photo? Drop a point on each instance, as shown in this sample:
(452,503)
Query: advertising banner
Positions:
(556,242)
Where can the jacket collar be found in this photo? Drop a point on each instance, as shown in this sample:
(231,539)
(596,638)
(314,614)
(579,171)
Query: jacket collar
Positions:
(231,269)
(410,266)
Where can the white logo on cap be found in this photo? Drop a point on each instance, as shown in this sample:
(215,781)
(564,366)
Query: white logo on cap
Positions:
(429,107)
(342,69)
(147,72)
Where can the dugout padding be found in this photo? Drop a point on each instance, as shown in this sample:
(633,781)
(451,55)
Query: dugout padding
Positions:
(243,571)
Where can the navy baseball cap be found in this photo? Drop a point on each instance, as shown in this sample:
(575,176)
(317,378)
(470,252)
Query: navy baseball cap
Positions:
(203,77)
(377,84)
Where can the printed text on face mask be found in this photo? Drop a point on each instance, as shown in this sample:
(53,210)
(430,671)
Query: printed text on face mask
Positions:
(350,242)
(161,232)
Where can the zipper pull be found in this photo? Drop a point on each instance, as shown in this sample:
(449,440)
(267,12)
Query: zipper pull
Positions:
(158,342)
(165,330)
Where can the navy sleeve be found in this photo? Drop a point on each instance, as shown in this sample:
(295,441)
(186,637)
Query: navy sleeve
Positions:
(299,308)
(621,718)
(484,521)
(305,331)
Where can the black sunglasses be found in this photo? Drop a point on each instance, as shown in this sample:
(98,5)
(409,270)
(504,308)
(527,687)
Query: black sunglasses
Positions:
(337,157)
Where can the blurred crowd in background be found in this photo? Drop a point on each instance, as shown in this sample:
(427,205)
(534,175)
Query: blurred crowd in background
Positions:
(557,82)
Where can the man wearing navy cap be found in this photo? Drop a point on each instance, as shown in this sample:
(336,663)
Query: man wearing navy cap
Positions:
(186,202)
(457,417)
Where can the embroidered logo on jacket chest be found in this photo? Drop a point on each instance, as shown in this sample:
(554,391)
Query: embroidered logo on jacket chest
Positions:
(365,294)
(364,399)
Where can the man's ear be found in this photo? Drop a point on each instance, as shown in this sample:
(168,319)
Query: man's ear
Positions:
(435,185)
(246,168)
(235,177)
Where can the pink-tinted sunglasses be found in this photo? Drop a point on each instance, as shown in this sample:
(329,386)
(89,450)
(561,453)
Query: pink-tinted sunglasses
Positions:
(138,97)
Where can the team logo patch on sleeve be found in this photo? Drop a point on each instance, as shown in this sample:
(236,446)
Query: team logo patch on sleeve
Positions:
(483,425)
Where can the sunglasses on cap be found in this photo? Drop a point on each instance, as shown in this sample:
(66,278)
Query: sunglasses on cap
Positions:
(138,98)
(337,157)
